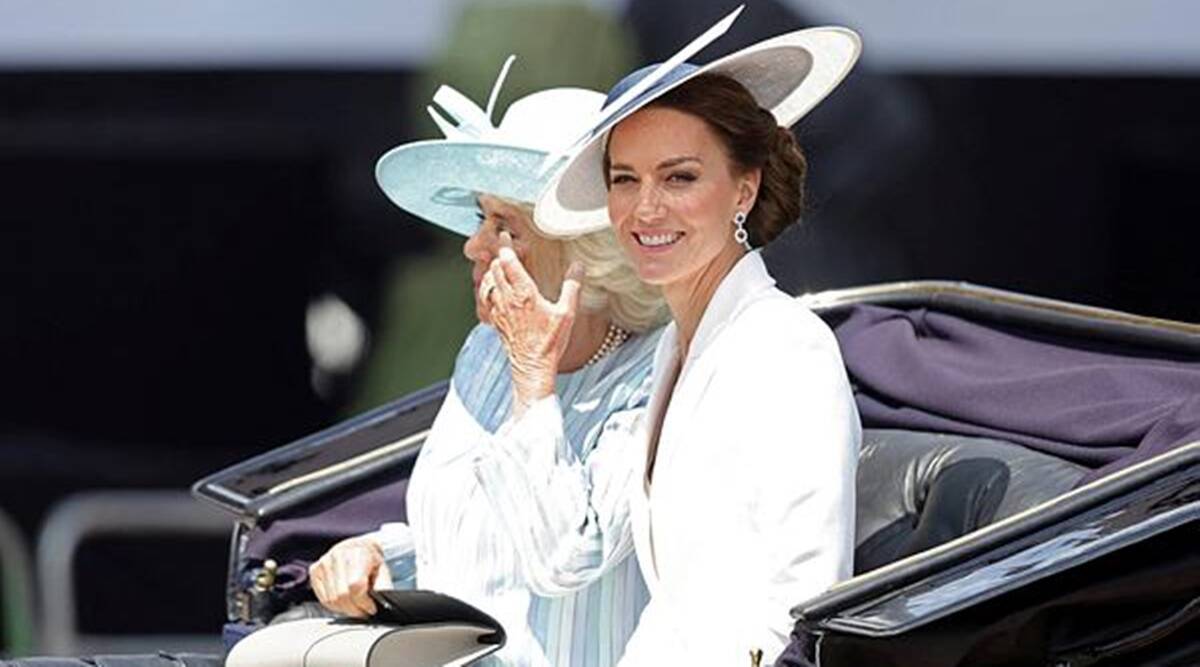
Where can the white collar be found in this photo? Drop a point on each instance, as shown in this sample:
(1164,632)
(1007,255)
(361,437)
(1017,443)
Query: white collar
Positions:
(745,282)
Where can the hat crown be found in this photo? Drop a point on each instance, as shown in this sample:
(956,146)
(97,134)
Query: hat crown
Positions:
(544,121)
(547,120)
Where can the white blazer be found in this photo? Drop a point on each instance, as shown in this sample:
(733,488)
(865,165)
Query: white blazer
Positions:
(751,507)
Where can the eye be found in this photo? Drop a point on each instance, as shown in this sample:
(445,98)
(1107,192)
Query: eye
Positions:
(622,178)
(502,225)
(682,177)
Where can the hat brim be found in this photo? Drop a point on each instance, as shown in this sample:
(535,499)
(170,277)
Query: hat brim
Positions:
(440,180)
(787,75)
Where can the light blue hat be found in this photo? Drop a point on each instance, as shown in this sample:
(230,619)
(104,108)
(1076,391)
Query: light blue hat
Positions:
(439,180)
(787,75)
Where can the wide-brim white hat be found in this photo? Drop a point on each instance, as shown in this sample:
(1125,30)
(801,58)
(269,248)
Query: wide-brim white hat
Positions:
(439,180)
(787,75)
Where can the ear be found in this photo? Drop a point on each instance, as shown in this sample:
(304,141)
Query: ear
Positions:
(748,189)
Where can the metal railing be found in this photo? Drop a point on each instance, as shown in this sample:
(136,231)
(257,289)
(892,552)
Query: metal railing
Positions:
(119,512)
(17,584)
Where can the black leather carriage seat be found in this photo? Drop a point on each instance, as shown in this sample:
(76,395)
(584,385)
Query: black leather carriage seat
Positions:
(917,490)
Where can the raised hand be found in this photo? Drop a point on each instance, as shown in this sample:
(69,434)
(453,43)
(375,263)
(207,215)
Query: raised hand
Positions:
(534,330)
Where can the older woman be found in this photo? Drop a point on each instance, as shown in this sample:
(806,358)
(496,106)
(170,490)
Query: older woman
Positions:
(479,182)
(744,504)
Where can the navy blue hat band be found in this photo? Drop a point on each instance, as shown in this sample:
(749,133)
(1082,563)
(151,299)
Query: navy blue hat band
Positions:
(630,80)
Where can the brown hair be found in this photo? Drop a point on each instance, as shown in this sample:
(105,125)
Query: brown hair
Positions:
(752,140)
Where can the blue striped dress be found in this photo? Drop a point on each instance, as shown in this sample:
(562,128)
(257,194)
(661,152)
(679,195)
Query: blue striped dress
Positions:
(494,505)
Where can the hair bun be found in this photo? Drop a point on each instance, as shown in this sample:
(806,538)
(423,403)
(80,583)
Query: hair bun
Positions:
(781,191)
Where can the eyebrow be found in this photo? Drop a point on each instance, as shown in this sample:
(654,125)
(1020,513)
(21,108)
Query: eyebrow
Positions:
(665,164)
(499,208)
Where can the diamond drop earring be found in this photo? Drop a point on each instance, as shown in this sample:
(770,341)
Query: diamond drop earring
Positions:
(739,235)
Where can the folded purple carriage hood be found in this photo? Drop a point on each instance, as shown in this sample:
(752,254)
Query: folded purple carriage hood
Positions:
(1103,405)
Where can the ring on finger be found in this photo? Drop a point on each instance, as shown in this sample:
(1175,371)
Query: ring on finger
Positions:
(486,287)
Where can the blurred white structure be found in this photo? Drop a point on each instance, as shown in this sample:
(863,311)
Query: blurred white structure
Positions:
(1146,36)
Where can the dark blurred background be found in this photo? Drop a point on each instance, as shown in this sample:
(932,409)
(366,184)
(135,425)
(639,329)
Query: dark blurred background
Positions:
(198,265)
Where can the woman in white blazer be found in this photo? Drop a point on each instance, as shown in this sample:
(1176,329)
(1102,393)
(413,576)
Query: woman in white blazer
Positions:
(745,505)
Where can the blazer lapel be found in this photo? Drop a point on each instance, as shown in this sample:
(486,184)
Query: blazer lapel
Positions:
(664,356)
(744,284)
(639,519)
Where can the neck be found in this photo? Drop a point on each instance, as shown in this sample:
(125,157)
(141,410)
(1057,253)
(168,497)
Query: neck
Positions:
(688,298)
(587,333)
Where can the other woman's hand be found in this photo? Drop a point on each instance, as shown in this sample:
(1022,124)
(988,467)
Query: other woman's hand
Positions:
(343,578)
(534,330)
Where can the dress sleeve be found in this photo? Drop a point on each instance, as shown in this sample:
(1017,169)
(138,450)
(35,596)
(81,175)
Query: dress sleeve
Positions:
(399,553)
(800,488)
(568,516)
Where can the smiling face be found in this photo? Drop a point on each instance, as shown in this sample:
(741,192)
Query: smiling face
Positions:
(538,254)
(673,193)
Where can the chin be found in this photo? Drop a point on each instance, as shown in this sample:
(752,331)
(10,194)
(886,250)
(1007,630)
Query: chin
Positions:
(657,278)
(648,270)
(657,271)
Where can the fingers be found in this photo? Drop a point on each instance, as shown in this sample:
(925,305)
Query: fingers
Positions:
(568,299)
(514,270)
(318,580)
(506,254)
(342,578)
(504,289)
(352,592)
(486,286)
(333,590)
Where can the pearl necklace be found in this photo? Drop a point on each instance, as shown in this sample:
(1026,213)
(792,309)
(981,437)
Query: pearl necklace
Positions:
(612,340)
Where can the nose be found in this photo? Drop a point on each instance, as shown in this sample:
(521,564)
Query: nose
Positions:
(476,247)
(649,204)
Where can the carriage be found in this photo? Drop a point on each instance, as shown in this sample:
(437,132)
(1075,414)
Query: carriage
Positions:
(975,545)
